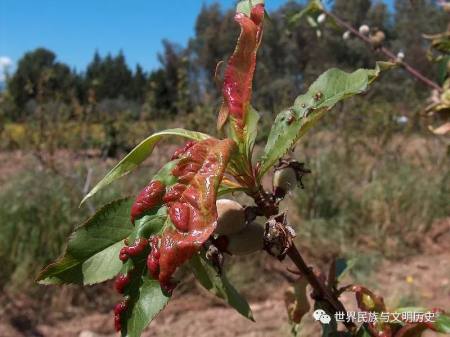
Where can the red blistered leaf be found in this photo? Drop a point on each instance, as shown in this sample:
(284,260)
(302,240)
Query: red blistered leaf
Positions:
(238,77)
(174,193)
(148,198)
(179,214)
(180,151)
(194,213)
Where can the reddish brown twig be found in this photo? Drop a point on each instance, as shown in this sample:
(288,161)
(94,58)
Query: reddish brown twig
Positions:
(410,69)
(266,202)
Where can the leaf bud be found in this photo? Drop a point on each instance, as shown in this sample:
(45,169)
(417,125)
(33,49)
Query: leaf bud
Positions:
(364,29)
(346,35)
(321,18)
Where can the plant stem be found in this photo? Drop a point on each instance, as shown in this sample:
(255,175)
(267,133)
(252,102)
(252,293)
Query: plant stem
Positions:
(413,71)
(320,289)
(268,207)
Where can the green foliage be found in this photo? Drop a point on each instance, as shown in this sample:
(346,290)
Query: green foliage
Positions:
(38,75)
(442,324)
(149,302)
(250,132)
(36,219)
(92,251)
(312,8)
(291,124)
(245,6)
(109,77)
(219,285)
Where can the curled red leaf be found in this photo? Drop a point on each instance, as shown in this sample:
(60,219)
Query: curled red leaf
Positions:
(180,151)
(238,77)
(148,198)
(174,193)
(153,258)
(192,208)
(179,214)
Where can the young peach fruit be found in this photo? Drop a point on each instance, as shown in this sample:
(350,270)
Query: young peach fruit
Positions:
(248,240)
(231,217)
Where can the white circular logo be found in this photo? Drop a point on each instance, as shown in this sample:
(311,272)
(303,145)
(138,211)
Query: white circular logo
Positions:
(322,316)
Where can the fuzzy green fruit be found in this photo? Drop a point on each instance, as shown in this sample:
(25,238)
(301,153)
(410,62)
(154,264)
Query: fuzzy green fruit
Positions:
(285,179)
(231,217)
(249,240)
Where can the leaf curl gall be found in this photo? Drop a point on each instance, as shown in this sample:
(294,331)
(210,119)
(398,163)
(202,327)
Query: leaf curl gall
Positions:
(182,150)
(148,198)
(118,310)
(121,282)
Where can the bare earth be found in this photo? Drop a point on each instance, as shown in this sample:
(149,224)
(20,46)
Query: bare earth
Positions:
(426,278)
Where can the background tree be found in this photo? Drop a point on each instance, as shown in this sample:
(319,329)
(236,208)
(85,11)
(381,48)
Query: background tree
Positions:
(35,67)
(139,83)
(110,76)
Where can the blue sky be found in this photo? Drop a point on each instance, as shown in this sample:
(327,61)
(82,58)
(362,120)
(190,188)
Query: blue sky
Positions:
(74,29)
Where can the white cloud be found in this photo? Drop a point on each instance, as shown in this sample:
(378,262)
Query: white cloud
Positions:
(5,65)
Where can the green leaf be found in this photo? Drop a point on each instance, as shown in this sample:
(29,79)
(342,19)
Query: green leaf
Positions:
(290,125)
(443,69)
(219,285)
(149,302)
(224,190)
(141,152)
(442,323)
(245,6)
(312,9)
(341,266)
(92,253)
(250,131)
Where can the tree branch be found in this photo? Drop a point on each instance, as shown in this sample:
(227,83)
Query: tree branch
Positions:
(410,69)
(267,205)
(321,291)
